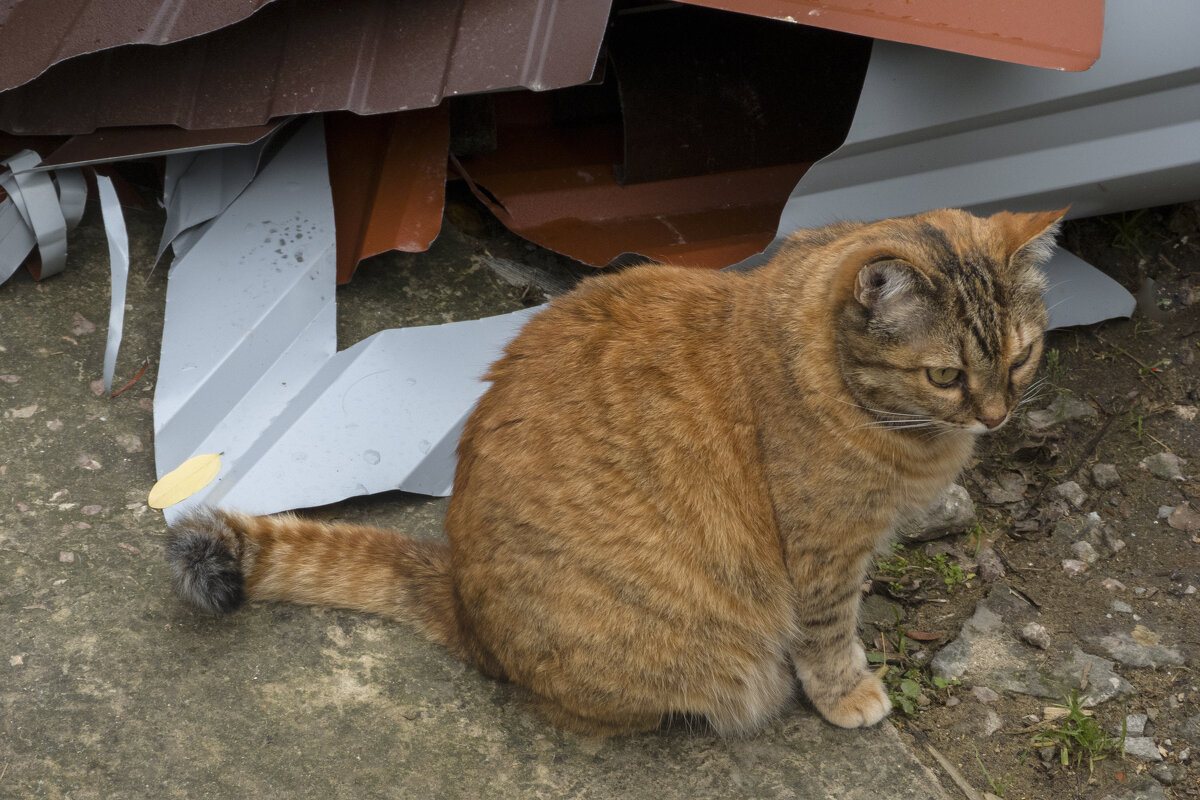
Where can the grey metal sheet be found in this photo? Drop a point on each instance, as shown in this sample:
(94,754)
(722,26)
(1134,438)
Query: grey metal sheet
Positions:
(300,56)
(248,366)
(936,129)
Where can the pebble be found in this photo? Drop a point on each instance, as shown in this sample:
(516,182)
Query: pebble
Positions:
(1063,408)
(1142,747)
(1164,511)
(1113,585)
(1111,541)
(953,511)
(1121,606)
(992,724)
(1190,589)
(1073,567)
(1135,724)
(1164,774)
(1167,466)
(951,702)
(1105,476)
(991,568)
(1084,551)
(1035,634)
(984,695)
(1185,754)
(1072,492)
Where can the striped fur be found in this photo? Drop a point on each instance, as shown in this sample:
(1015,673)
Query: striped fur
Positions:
(666,501)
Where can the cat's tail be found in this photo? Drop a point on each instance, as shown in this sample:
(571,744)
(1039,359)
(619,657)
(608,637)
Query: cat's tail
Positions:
(221,559)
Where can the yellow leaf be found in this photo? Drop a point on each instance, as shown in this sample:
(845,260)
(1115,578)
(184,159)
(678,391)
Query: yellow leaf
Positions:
(185,480)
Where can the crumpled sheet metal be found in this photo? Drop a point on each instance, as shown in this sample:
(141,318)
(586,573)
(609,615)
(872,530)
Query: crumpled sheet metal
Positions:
(1064,34)
(388,175)
(302,56)
(118,258)
(39,210)
(1120,136)
(199,185)
(249,368)
(560,192)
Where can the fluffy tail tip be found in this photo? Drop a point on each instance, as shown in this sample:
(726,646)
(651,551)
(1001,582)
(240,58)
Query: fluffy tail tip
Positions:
(206,571)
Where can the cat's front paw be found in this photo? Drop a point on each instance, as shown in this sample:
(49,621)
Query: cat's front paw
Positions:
(865,704)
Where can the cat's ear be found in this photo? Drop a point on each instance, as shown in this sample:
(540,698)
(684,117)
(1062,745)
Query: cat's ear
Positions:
(1030,238)
(886,284)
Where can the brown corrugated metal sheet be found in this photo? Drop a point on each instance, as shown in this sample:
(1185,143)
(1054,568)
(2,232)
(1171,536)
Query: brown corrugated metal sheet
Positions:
(388,175)
(557,188)
(36,34)
(300,56)
(119,144)
(1059,34)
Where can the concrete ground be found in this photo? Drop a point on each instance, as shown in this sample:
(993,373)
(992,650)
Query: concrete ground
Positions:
(111,687)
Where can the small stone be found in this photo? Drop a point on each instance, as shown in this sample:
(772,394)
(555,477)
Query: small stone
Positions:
(1048,755)
(992,723)
(1111,541)
(1031,719)
(1084,551)
(952,512)
(16,661)
(66,557)
(1035,634)
(1063,408)
(1122,607)
(97,387)
(130,443)
(25,412)
(1113,585)
(1072,492)
(1009,487)
(1131,652)
(87,462)
(1190,589)
(1164,774)
(1167,466)
(91,511)
(991,568)
(1142,747)
(1184,518)
(1135,724)
(54,424)
(1105,476)
(1073,567)
(1185,755)
(1140,591)
(984,695)
(1164,512)
(81,325)
(951,702)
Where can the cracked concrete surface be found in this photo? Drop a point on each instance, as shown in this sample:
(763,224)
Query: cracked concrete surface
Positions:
(112,687)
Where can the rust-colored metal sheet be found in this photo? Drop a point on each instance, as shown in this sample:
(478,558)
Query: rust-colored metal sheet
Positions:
(388,175)
(1063,34)
(300,56)
(556,187)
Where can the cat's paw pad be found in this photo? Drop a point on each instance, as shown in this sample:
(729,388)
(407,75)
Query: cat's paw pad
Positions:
(863,705)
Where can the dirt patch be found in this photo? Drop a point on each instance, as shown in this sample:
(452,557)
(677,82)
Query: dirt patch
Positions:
(1116,585)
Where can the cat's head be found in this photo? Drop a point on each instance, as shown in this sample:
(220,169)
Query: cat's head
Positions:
(941,319)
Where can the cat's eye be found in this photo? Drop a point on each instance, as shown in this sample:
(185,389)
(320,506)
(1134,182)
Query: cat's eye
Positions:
(943,376)
(1022,357)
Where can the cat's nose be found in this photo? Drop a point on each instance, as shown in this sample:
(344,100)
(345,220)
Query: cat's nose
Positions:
(993,422)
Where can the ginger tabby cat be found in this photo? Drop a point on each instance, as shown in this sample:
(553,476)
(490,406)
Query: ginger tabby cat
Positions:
(666,501)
